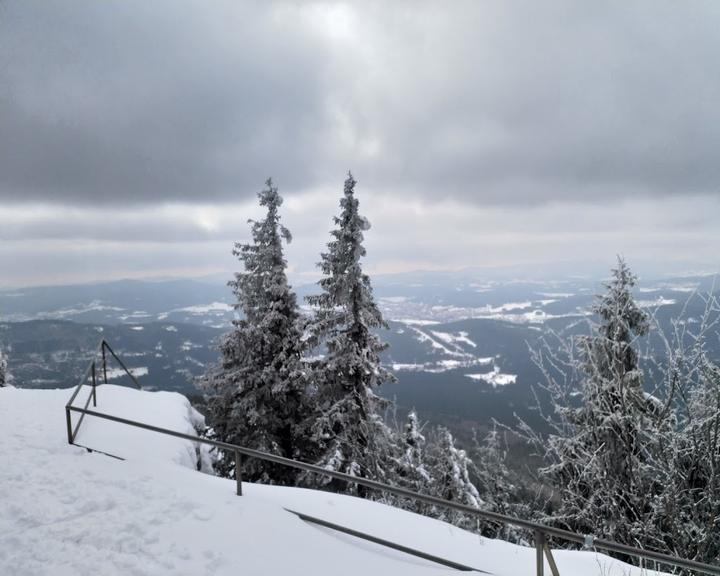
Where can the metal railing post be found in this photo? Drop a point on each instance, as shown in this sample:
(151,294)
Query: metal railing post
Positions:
(68,423)
(104,358)
(540,552)
(94,385)
(238,473)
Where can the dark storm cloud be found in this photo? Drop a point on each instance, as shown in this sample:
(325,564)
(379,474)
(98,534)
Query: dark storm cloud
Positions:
(506,102)
(130,102)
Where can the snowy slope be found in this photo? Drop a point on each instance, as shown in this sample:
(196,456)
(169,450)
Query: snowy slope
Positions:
(64,511)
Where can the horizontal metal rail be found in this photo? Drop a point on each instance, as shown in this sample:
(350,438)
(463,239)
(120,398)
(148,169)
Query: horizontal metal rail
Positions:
(600,543)
(91,370)
(540,531)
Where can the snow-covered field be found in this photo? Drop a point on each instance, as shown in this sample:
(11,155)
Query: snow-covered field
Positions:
(421,313)
(207,308)
(460,348)
(496,378)
(113,373)
(65,511)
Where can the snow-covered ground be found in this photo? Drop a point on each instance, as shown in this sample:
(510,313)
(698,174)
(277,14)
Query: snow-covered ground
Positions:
(414,312)
(206,308)
(65,511)
(496,378)
(113,373)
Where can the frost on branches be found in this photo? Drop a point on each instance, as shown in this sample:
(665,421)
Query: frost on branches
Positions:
(687,511)
(410,468)
(603,450)
(257,396)
(352,435)
(499,487)
(412,471)
(450,472)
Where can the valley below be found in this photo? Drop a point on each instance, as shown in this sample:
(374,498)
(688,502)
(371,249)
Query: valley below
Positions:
(459,347)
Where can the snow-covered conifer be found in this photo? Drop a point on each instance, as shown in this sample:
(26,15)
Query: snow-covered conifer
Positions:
(449,468)
(257,396)
(410,467)
(353,436)
(412,471)
(602,451)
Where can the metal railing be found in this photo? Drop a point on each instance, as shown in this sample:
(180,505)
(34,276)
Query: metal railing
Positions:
(92,371)
(541,532)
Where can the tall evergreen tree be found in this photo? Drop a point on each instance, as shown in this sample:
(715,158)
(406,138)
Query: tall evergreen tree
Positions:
(352,434)
(257,397)
(602,456)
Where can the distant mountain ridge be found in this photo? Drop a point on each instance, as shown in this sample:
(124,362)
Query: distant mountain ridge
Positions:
(458,345)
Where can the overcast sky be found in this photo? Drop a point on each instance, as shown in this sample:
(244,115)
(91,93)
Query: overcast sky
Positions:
(134,135)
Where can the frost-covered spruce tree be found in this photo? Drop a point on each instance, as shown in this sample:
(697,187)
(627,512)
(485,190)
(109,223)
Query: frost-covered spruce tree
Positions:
(410,470)
(449,467)
(257,396)
(603,450)
(348,427)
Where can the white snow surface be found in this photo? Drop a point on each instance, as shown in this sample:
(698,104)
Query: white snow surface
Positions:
(206,308)
(443,365)
(65,511)
(454,338)
(113,373)
(659,301)
(418,322)
(496,378)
